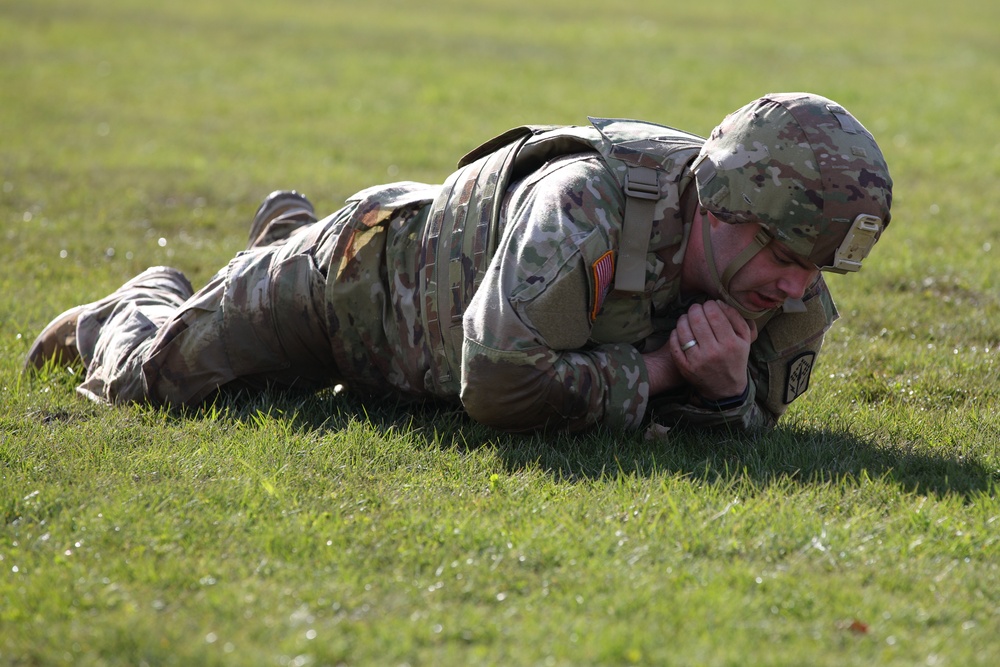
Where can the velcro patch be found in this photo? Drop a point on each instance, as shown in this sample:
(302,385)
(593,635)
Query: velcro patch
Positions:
(799,370)
(604,273)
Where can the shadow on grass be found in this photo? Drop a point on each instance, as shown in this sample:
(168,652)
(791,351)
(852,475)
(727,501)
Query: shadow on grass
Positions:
(802,455)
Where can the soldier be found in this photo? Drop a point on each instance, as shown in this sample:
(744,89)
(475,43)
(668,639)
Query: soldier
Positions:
(563,277)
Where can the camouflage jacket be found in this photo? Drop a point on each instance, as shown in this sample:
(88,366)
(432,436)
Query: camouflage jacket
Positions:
(498,287)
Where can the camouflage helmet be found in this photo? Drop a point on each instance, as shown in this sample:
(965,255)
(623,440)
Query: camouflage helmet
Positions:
(803,168)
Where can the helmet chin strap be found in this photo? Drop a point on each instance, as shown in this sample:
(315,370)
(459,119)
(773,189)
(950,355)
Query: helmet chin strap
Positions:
(760,240)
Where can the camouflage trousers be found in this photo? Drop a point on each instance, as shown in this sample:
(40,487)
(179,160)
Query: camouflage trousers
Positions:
(260,320)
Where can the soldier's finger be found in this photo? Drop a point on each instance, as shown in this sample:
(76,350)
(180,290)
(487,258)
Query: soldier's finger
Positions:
(739,324)
(717,316)
(683,329)
(677,352)
(701,328)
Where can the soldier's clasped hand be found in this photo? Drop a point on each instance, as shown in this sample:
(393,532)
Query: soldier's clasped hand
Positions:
(715,366)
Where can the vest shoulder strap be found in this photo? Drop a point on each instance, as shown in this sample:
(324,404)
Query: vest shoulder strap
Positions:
(649,156)
(508,137)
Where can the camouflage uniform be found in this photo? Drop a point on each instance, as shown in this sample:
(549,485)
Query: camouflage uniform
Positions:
(495,289)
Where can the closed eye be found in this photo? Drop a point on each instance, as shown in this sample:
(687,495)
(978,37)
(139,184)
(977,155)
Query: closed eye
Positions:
(781,258)
(784,258)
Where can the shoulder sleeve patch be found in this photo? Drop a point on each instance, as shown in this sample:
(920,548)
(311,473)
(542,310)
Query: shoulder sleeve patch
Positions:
(799,371)
(604,272)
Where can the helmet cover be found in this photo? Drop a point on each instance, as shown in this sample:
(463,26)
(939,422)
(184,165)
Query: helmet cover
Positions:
(802,167)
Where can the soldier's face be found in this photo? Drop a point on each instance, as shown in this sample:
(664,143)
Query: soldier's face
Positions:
(771,276)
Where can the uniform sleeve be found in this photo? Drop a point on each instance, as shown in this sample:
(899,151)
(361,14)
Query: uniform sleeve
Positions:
(779,369)
(526,360)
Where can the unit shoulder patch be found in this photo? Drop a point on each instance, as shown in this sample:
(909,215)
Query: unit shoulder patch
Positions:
(799,371)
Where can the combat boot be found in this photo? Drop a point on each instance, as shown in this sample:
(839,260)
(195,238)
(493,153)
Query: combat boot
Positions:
(58,340)
(282,212)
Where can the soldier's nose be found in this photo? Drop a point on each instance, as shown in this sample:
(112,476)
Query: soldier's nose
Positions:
(795,281)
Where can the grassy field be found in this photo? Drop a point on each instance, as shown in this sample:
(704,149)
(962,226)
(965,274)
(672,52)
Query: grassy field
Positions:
(313,530)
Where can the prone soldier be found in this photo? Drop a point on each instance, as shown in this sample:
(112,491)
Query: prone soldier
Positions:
(561,278)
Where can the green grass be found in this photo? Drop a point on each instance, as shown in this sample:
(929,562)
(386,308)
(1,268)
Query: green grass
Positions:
(314,530)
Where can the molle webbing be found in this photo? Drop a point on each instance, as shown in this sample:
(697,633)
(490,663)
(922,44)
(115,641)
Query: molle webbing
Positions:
(459,240)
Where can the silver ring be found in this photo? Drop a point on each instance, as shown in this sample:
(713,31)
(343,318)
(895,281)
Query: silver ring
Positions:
(688,345)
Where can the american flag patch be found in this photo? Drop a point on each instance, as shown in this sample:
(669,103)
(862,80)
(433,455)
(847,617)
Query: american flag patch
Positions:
(604,272)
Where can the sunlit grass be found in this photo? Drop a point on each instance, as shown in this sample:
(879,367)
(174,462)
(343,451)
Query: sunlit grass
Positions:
(314,529)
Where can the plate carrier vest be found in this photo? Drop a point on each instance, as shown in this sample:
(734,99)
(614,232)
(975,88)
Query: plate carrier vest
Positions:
(463,224)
